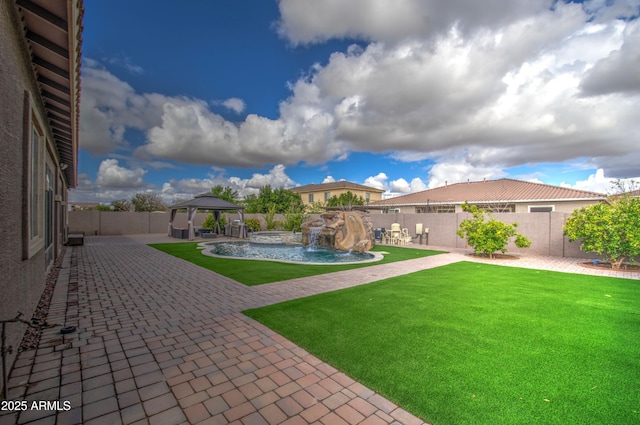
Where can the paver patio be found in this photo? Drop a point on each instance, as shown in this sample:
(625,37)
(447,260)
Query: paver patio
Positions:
(162,341)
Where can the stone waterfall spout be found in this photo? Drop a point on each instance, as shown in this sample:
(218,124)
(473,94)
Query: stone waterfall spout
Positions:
(342,230)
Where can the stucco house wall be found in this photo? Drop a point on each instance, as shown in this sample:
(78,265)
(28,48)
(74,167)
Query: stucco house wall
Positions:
(23,280)
(33,185)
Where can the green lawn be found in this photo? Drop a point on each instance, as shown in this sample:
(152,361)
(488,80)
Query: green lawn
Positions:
(474,343)
(252,272)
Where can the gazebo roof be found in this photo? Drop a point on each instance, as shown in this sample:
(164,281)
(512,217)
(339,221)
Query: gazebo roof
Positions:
(207,201)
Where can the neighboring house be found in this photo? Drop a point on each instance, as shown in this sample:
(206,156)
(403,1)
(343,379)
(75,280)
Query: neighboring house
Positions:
(39,93)
(503,195)
(634,193)
(311,193)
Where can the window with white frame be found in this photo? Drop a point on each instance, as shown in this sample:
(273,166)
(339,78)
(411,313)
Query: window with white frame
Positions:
(541,208)
(35,219)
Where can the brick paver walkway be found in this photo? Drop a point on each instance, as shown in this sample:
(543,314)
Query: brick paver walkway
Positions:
(162,341)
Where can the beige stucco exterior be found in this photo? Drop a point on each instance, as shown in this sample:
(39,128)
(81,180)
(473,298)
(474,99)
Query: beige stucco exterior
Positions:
(33,184)
(556,205)
(322,192)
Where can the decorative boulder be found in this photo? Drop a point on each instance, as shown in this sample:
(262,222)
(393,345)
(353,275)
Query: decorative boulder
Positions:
(341,230)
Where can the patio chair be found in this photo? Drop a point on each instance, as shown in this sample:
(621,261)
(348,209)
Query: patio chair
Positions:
(396,234)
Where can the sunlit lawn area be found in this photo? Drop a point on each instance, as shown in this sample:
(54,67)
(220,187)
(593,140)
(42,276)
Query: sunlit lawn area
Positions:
(474,343)
(252,272)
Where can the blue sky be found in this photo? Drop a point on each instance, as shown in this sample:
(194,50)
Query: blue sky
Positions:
(178,97)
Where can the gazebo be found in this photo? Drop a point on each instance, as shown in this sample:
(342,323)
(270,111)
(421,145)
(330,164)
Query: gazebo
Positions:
(206,201)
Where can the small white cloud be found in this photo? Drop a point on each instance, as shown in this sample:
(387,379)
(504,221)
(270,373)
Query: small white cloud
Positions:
(126,63)
(400,185)
(112,175)
(235,104)
(460,170)
(378,181)
(417,185)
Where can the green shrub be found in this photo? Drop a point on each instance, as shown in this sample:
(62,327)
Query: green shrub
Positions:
(487,237)
(269,218)
(210,222)
(253,224)
(610,229)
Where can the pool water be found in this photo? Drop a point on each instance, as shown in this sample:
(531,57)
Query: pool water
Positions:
(285,253)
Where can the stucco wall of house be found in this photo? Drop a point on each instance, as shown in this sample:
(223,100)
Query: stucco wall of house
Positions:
(318,196)
(558,206)
(22,281)
(523,207)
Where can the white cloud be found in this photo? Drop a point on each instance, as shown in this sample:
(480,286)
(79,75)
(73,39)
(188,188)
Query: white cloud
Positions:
(417,185)
(457,171)
(235,104)
(277,177)
(400,185)
(112,175)
(378,181)
(126,63)
(110,106)
(473,87)
(612,74)
(112,182)
(328,179)
(313,21)
(186,188)
(598,182)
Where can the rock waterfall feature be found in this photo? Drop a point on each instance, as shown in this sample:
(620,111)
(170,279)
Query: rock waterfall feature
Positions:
(342,230)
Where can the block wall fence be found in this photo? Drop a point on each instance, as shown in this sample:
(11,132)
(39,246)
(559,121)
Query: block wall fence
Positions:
(544,229)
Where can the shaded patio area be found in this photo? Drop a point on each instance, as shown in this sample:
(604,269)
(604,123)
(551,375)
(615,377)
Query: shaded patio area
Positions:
(204,202)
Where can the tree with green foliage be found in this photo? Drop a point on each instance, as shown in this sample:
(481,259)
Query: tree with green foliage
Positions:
(281,200)
(226,193)
(345,200)
(120,205)
(294,218)
(103,207)
(270,220)
(610,229)
(250,204)
(253,224)
(210,222)
(147,201)
(316,207)
(487,237)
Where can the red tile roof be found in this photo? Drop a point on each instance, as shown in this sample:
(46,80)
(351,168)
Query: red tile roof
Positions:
(502,190)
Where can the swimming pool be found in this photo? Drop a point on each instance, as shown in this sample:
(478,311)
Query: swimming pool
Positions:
(285,253)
